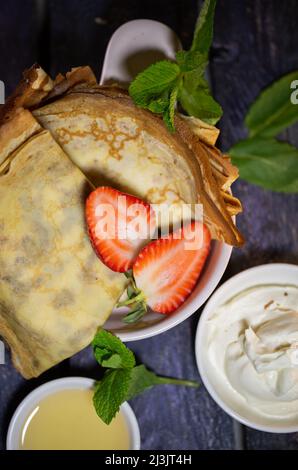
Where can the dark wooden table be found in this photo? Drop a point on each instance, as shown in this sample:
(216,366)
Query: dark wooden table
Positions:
(256,41)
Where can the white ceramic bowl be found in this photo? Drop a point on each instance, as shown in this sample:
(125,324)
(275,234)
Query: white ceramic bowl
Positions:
(68,383)
(128,44)
(265,274)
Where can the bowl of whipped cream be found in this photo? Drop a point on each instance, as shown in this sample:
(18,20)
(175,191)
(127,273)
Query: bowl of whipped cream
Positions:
(247,347)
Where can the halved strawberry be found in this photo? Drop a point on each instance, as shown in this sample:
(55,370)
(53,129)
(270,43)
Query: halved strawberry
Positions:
(166,271)
(119,226)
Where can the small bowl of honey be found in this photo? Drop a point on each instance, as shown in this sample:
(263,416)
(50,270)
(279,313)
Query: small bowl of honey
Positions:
(60,415)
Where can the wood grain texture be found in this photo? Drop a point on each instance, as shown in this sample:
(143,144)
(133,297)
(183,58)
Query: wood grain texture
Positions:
(255,42)
(18,40)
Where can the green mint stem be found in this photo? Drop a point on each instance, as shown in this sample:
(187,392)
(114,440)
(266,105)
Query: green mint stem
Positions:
(138,298)
(187,383)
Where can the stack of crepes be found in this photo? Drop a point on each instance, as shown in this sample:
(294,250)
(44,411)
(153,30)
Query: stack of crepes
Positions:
(58,140)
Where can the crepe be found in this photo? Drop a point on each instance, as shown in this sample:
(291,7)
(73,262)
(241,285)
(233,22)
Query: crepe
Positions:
(54,291)
(115,143)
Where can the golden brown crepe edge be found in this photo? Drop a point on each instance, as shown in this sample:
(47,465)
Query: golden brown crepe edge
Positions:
(216,216)
(14,131)
(37,86)
(34,86)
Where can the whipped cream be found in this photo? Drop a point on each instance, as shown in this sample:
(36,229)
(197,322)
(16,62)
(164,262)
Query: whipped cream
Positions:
(252,348)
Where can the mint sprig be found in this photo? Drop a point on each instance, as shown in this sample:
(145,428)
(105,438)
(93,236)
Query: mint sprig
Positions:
(203,34)
(122,379)
(262,159)
(161,85)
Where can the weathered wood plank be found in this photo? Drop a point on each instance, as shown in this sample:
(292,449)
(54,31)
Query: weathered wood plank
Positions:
(18,41)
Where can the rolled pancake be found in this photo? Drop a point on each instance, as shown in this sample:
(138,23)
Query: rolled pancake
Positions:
(115,143)
(54,291)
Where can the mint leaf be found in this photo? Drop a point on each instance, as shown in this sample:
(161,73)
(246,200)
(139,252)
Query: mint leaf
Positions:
(195,96)
(273,111)
(262,159)
(196,99)
(189,61)
(160,104)
(154,83)
(105,358)
(153,88)
(114,361)
(142,379)
(268,163)
(111,392)
(109,351)
(204,28)
(169,114)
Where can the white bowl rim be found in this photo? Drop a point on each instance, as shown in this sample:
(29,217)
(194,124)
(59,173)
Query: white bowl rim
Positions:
(53,386)
(230,284)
